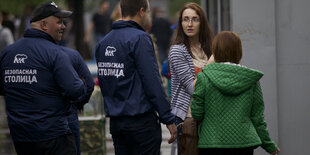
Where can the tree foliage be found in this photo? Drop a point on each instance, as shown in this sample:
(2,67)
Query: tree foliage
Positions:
(16,7)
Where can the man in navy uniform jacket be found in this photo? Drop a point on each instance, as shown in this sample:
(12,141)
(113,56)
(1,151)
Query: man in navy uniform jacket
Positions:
(82,70)
(39,83)
(130,83)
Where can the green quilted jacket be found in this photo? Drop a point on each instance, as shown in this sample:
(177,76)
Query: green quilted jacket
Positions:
(229,103)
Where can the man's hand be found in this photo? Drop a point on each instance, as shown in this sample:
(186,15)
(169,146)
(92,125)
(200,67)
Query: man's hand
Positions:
(173,132)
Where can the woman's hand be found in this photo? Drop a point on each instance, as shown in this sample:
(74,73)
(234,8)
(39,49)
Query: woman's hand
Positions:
(276,151)
(195,82)
(211,60)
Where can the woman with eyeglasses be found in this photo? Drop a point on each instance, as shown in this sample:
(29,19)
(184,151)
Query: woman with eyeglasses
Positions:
(189,53)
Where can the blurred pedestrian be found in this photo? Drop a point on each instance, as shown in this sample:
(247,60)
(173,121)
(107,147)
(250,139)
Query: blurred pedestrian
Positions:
(228,100)
(116,14)
(131,86)
(39,83)
(8,22)
(68,37)
(25,21)
(162,33)
(147,25)
(101,22)
(6,36)
(189,53)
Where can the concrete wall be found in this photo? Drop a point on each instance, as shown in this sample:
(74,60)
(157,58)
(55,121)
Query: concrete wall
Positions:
(275,37)
(293,61)
(254,21)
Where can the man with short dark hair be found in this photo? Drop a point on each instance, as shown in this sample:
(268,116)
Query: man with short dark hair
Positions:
(39,84)
(134,98)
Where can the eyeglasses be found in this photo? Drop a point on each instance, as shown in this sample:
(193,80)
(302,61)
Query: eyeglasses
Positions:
(193,20)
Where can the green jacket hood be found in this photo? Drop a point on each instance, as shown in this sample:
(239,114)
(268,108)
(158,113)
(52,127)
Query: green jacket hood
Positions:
(231,79)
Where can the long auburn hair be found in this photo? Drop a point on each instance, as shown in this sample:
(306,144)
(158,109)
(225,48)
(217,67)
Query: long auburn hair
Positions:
(205,33)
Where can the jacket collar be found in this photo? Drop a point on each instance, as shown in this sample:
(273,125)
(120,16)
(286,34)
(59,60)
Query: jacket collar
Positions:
(124,24)
(35,33)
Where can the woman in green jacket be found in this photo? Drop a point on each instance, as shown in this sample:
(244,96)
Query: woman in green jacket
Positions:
(229,103)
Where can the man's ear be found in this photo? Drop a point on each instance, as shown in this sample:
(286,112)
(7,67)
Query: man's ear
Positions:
(43,25)
(141,12)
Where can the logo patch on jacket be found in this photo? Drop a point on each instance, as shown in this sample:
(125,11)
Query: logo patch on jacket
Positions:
(20,58)
(109,51)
